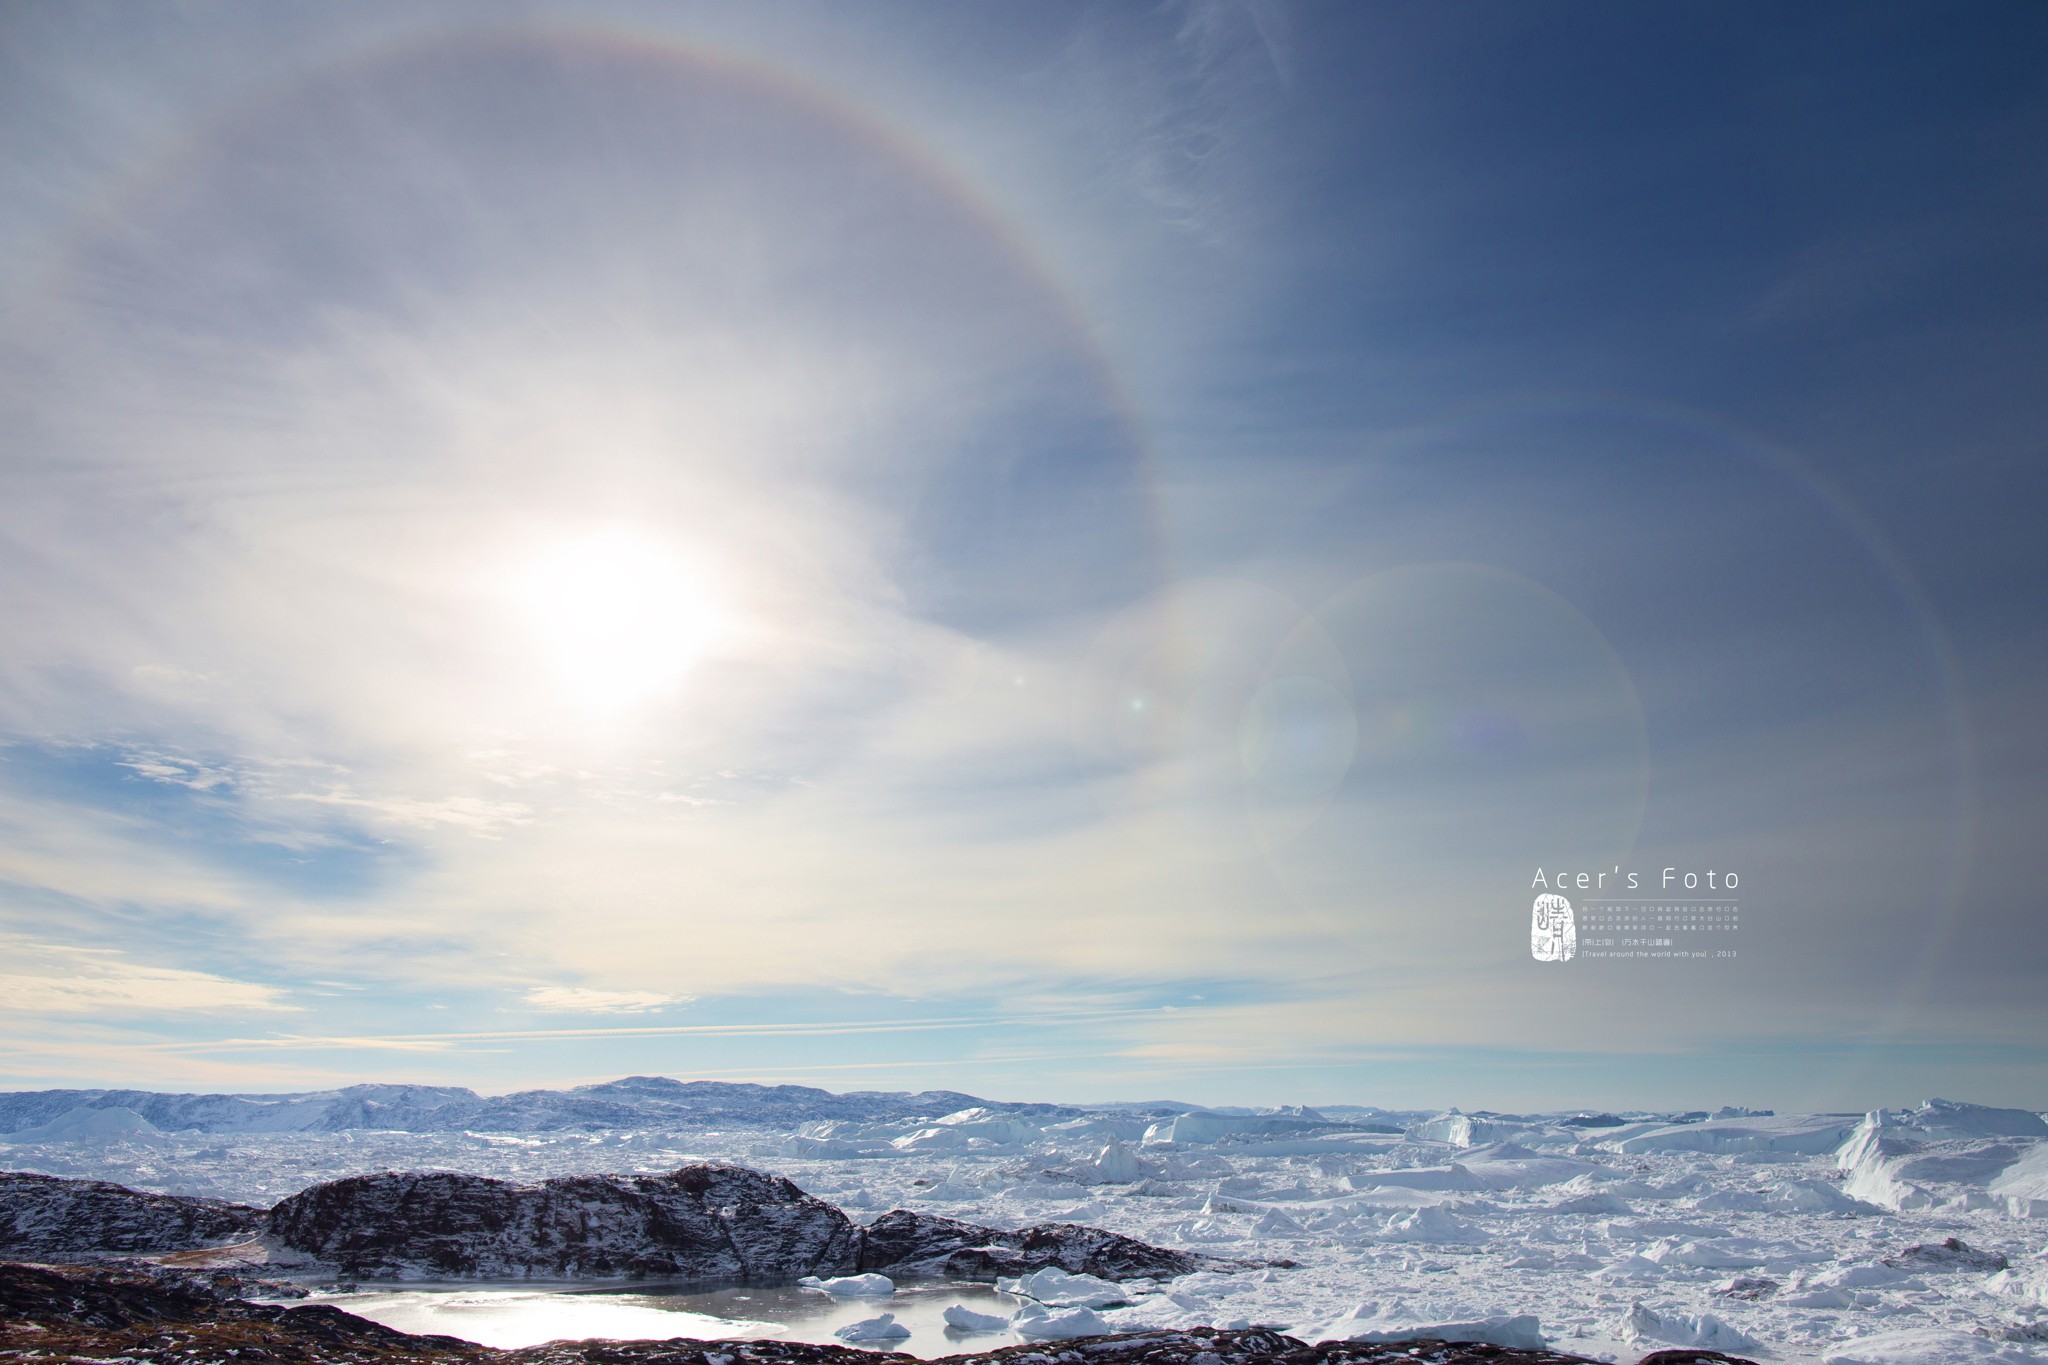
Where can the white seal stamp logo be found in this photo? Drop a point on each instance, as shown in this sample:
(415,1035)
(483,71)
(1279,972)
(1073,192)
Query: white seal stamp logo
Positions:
(1553,935)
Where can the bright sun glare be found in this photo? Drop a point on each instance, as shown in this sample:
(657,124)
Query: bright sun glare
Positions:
(620,616)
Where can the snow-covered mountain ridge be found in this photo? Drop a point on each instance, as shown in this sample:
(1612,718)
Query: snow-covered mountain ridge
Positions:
(633,1102)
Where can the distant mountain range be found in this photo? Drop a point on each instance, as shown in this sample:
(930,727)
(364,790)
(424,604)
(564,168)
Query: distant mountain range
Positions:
(634,1102)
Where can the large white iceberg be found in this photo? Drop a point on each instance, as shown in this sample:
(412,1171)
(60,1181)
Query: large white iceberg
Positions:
(1057,1289)
(1803,1134)
(883,1328)
(1035,1322)
(961,1318)
(1704,1330)
(1917,1161)
(868,1286)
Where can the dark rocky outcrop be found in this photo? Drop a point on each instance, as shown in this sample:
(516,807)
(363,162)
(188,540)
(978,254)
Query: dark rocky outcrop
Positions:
(147,1316)
(706,1223)
(709,1223)
(921,1244)
(46,1217)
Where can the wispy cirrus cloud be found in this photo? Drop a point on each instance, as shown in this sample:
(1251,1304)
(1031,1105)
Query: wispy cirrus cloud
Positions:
(57,979)
(591,1000)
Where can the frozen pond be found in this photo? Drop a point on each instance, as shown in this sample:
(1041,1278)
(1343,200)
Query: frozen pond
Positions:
(526,1315)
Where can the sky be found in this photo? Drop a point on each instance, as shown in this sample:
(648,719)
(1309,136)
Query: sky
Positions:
(1070,551)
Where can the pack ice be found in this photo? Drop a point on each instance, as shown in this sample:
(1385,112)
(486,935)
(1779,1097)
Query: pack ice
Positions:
(1893,1236)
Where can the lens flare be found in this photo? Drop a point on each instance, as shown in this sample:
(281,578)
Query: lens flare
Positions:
(618,616)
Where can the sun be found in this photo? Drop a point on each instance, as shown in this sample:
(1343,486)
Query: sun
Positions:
(619,616)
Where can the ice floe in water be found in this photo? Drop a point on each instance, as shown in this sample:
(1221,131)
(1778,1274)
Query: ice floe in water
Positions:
(853,1286)
(881,1328)
(961,1318)
(1035,1322)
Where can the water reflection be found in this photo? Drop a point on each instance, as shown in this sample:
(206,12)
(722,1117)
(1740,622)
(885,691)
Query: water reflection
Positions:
(526,1315)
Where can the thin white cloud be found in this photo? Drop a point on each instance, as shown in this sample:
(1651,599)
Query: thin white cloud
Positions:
(179,772)
(844,1028)
(472,814)
(589,1000)
(51,978)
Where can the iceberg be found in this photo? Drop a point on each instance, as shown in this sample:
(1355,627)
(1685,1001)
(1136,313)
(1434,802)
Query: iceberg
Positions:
(1520,1331)
(852,1286)
(1035,1322)
(961,1318)
(1704,1331)
(1055,1288)
(883,1328)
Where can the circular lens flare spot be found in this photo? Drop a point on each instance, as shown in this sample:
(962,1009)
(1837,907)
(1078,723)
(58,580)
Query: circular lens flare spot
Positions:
(619,617)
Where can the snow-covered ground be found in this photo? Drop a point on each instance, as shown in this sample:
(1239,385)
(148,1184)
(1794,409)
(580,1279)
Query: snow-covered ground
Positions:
(1756,1234)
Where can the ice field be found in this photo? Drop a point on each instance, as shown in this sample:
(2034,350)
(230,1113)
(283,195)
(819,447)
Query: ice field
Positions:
(1783,1237)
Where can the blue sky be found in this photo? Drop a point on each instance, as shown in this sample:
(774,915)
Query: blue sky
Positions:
(1065,551)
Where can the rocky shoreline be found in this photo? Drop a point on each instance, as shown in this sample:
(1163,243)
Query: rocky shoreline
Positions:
(151,1315)
(707,1223)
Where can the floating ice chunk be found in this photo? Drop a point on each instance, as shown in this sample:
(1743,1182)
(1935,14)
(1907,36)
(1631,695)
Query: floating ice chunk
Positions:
(1814,1196)
(1704,1331)
(1858,1277)
(1429,1225)
(1002,1129)
(1277,1224)
(2025,1179)
(961,1318)
(1733,1201)
(1807,1134)
(951,1190)
(1382,1199)
(820,1149)
(1057,1289)
(2029,1284)
(1115,1164)
(1452,1177)
(1522,1331)
(1709,1253)
(1036,1322)
(1221,1203)
(869,1286)
(1648,1229)
(1818,1298)
(1575,1260)
(1629,1268)
(1603,1203)
(883,1328)
(1464,1130)
(933,1140)
(1505,1166)
(1949,1118)
(1201,1127)
(1963,1161)
(1927,1346)
(1604,1181)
